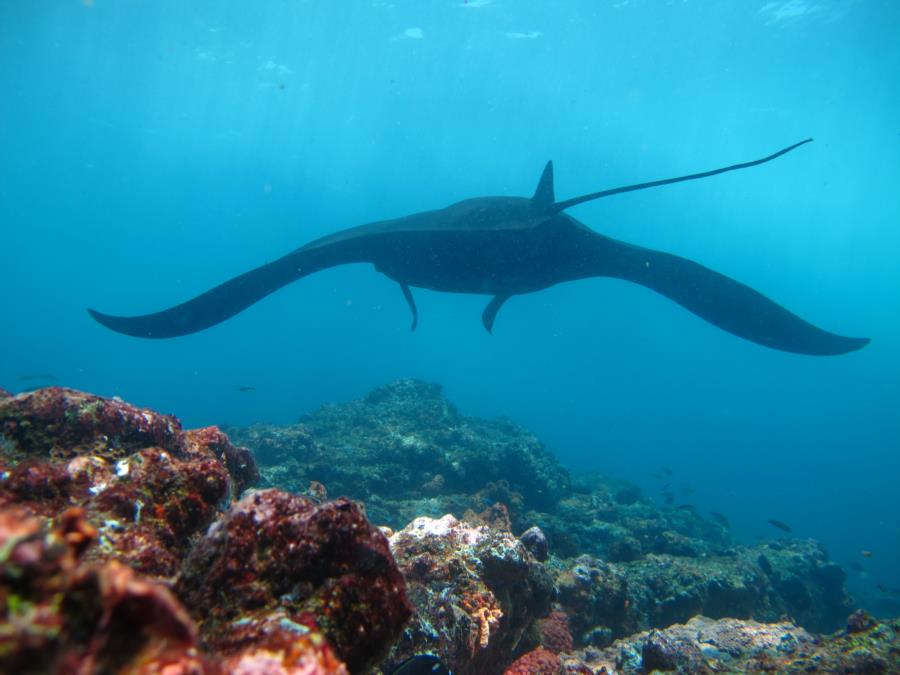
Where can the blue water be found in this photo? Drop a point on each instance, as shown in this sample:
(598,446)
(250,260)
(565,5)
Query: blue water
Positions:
(150,150)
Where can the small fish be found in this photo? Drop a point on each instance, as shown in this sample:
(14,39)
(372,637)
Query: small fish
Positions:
(688,507)
(667,471)
(883,588)
(421,664)
(780,525)
(669,499)
(665,488)
(245,389)
(856,567)
(37,376)
(866,554)
(720,519)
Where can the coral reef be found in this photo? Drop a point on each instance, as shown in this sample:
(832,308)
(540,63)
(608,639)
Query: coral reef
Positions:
(607,600)
(621,563)
(102,566)
(703,645)
(143,482)
(405,443)
(62,615)
(281,559)
(131,545)
(613,521)
(476,591)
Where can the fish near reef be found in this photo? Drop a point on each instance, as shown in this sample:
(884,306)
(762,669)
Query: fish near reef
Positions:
(503,247)
(784,527)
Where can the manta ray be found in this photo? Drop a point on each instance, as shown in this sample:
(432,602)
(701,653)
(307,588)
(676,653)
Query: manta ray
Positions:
(503,247)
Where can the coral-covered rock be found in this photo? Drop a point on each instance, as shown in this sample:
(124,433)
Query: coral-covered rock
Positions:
(703,645)
(534,540)
(665,589)
(64,423)
(555,634)
(805,584)
(60,614)
(538,661)
(405,441)
(658,590)
(594,595)
(284,652)
(238,460)
(147,485)
(63,614)
(610,520)
(476,592)
(277,558)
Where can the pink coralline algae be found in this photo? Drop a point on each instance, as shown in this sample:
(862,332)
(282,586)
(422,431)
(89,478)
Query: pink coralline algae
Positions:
(281,560)
(476,591)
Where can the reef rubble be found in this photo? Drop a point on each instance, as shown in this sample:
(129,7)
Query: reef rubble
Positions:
(131,545)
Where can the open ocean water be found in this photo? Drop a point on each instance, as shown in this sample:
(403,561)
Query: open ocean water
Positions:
(151,150)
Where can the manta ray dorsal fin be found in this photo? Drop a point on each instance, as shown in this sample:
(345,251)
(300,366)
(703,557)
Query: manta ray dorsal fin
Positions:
(543,196)
(490,312)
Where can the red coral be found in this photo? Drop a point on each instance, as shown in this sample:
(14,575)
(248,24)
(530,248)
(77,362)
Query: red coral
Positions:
(555,633)
(539,661)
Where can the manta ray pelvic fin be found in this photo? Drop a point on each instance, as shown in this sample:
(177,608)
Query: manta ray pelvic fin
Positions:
(412,305)
(490,312)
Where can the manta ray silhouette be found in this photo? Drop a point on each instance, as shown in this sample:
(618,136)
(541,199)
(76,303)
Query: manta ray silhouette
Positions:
(506,246)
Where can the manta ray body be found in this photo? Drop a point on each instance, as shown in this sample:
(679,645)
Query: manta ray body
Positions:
(505,246)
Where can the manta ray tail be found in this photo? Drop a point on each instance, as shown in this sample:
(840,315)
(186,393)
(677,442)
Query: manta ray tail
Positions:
(720,300)
(229,298)
(563,205)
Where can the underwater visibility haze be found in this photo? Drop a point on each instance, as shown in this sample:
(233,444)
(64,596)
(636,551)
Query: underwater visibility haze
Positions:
(152,151)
